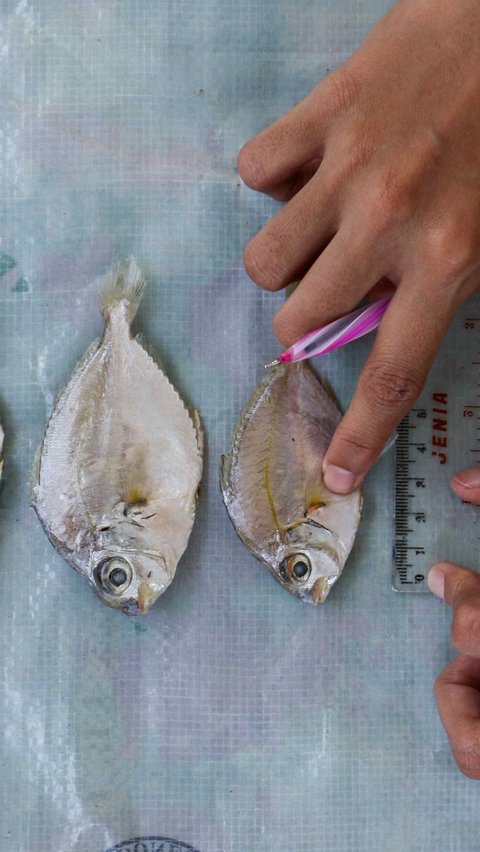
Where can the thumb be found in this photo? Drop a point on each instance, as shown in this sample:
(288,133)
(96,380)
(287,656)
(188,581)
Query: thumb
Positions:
(460,588)
(466,484)
(453,584)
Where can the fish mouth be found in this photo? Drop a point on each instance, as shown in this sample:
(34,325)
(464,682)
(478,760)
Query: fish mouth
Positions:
(131,607)
(147,595)
(319,591)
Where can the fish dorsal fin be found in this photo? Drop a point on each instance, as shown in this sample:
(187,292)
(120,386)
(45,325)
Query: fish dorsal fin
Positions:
(198,428)
(35,475)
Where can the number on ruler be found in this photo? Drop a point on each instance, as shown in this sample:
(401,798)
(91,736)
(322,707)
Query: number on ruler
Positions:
(417,518)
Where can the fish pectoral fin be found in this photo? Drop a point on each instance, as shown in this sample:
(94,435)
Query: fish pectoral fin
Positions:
(301,522)
(309,522)
(131,512)
(314,508)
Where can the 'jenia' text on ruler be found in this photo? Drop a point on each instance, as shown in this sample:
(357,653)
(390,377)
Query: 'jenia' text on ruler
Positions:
(437,438)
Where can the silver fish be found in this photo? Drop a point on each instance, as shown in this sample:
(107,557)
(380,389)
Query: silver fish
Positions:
(117,476)
(273,487)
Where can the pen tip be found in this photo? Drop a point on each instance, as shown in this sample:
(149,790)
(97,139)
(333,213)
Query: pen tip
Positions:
(272,364)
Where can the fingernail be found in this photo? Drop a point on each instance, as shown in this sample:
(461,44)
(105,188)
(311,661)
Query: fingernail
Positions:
(338,479)
(436,580)
(468,478)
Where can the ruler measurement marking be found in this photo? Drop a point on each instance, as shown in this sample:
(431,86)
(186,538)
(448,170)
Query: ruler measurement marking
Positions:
(402,527)
(423,516)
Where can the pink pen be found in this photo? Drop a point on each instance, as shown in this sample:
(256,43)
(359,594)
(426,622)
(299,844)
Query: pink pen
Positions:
(335,334)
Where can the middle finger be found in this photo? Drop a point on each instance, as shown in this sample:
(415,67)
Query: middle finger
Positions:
(334,285)
(293,239)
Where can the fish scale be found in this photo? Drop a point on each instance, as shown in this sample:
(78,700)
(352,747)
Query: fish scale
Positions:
(439,436)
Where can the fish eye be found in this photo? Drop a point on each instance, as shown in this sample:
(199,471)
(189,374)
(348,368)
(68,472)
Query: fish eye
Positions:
(115,575)
(300,570)
(297,568)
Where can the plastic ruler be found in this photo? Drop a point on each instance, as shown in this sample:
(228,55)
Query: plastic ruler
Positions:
(440,435)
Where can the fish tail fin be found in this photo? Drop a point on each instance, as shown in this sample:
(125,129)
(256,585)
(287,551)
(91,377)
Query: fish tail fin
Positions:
(124,283)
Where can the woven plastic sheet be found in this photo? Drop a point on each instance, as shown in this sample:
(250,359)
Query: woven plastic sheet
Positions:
(232,718)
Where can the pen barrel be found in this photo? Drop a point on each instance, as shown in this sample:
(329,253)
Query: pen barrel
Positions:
(337,333)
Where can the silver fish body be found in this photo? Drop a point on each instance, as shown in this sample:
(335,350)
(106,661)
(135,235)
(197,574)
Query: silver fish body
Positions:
(273,487)
(118,472)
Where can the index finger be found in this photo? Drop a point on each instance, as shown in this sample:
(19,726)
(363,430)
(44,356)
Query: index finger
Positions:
(391,380)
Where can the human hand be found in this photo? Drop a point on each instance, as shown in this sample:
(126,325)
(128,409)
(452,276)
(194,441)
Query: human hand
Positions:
(380,166)
(457,689)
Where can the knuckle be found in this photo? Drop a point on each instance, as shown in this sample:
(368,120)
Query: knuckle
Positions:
(466,625)
(262,261)
(343,160)
(452,249)
(362,153)
(392,201)
(390,386)
(341,88)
